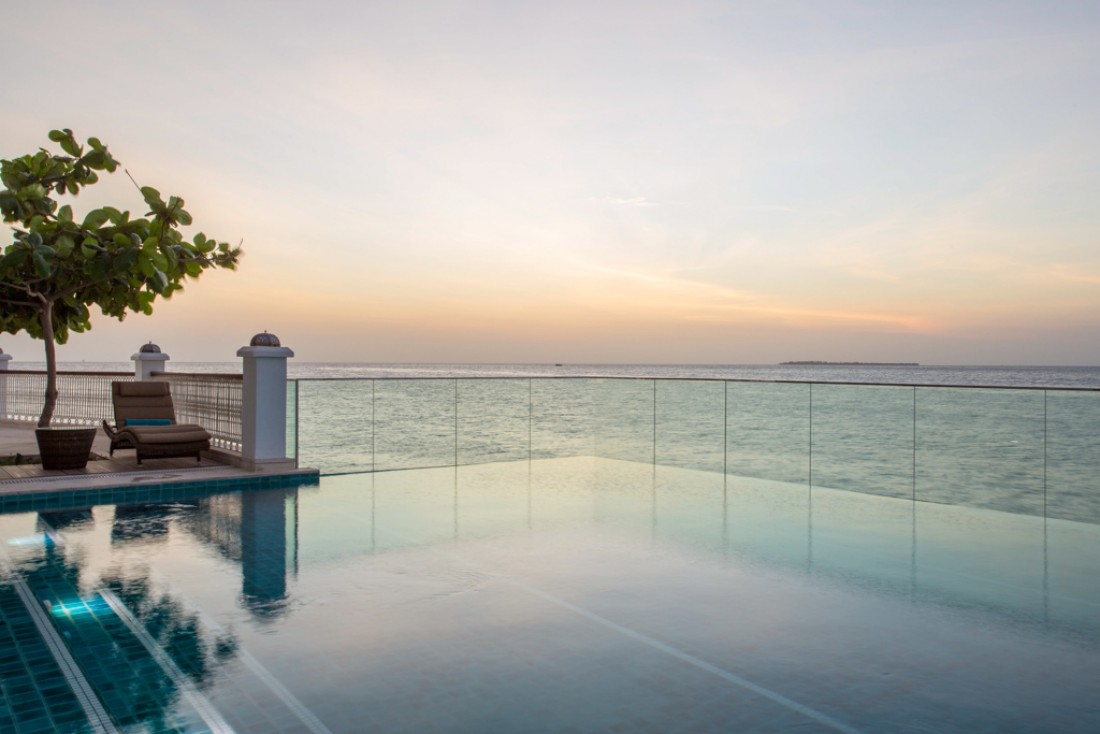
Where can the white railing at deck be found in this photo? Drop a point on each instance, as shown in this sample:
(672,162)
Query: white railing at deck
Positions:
(84,398)
(213,401)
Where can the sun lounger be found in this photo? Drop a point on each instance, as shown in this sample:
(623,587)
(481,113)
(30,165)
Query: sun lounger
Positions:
(145,420)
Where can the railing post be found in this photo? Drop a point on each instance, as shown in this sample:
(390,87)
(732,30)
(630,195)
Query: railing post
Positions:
(263,402)
(147,360)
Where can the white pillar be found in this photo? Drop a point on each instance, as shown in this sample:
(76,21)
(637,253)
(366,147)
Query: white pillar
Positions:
(4,359)
(147,360)
(263,402)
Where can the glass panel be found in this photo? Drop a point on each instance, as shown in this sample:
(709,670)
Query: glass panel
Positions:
(335,428)
(689,508)
(415,508)
(862,538)
(623,496)
(768,431)
(1073,455)
(624,419)
(561,417)
(691,418)
(494,500)
(767,521)
(980,447)
(494,420)
(561,491)
(343,525)
(980,558)
(1073,508)
(863,439)
(414,424)
(1073,567)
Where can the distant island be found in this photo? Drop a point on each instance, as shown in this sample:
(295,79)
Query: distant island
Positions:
(816,362)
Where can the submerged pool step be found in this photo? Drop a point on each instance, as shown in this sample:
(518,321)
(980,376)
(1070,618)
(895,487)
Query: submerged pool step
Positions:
(153,660)
(42,688)
(189,692)
(127,679)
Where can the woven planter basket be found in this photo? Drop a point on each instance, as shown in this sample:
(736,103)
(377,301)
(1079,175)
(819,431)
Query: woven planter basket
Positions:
(65,448)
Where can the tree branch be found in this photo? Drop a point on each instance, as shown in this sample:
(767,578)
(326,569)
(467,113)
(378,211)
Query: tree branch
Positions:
(32,304)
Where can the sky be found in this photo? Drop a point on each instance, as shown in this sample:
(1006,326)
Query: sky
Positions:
(593,182)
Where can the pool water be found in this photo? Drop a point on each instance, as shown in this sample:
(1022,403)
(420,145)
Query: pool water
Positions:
(556,595)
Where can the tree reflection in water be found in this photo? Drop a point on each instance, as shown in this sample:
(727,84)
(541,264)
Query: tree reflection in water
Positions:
(125,676)
(180,633)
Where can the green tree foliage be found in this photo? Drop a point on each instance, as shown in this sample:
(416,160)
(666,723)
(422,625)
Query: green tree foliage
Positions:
(59,265)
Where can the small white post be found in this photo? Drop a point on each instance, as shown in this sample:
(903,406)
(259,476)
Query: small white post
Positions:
(147,360)
(263,402)
(4,359)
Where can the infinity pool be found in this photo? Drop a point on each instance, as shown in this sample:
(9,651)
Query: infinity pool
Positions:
(558,595)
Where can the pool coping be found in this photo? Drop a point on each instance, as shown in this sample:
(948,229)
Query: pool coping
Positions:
(69,491)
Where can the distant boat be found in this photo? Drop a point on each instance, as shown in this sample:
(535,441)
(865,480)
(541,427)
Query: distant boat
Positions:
(557,364)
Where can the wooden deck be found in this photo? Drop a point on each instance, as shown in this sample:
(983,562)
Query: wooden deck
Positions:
(118,465)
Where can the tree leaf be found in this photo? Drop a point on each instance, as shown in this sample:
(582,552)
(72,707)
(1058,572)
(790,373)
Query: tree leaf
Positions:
(41,265)
(126,258)
(70,146)
(95,219)
(65,245)
(159,281)
(152,198)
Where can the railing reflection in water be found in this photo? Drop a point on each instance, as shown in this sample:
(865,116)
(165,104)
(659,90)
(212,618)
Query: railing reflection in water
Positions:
(1026,451)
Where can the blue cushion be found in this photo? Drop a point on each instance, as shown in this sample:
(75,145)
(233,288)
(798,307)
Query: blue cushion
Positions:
(148,422)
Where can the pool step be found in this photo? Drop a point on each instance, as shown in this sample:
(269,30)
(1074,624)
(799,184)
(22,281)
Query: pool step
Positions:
(42,689)
(118,673)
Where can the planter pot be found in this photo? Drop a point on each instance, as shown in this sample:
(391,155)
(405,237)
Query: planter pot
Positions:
(64,448)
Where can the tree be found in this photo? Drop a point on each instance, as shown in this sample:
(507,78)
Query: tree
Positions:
(57,266)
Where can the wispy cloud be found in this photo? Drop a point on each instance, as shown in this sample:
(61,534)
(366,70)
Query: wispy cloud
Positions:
(768,208)
(679,298)
(635,201)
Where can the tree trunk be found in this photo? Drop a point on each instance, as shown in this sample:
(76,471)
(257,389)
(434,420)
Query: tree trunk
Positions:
(46,314)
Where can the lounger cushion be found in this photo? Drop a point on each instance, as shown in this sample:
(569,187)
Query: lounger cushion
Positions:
(148,422)
(168,434)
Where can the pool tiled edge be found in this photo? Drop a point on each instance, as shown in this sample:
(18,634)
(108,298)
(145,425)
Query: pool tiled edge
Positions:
(40,498)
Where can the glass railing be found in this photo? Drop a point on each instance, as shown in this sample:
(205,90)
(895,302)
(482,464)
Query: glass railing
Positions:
(1025,451)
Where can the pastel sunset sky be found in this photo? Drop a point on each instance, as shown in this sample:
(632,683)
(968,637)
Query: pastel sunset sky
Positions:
(667,182)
